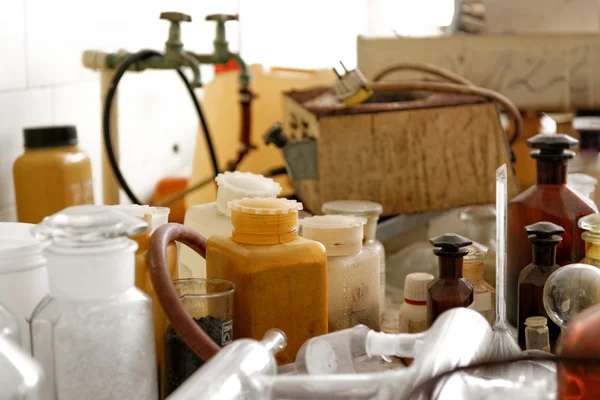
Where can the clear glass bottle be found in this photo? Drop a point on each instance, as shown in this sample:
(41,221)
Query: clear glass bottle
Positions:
(215,218)
(94,332)
(352,271)
(21,377)
(280,278)
(481,228)
(484,295)
(591,225)
(536,334)
(371,211)
(544,238)
(549,200)
(450,289)
(587,161)
(413,312)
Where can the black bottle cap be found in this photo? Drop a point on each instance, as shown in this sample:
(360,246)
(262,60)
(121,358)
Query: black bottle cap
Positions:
(276,136)
(544,233)
(450,245)
(50,136)
(552,146)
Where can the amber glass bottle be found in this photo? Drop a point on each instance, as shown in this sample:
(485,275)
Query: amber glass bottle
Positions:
(544,238)
(549,200)
(580,339)
(450,289)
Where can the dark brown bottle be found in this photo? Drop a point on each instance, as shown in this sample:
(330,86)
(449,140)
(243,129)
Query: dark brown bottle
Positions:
(543,237)
(450,289)
(549,200)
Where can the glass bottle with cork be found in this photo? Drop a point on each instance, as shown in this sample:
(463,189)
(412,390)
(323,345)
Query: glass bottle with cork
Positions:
(544,238)
(449,289)
(481,228)
(536,334)
(352,271)
(549,200)
(591,225)
(484,295)
(280,278)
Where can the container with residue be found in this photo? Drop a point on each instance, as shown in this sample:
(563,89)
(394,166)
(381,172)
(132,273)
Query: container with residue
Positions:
(484,294)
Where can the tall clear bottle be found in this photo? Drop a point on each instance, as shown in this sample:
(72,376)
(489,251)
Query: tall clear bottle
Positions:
(591,225)
(450,289)
(94,332)
(587,161)
(544,239)
(549,200)
(481,228)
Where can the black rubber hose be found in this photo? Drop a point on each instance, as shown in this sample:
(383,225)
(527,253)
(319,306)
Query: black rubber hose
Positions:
(123,67)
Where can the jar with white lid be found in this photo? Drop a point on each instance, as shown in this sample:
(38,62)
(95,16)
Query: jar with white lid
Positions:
(413,312)
(94,332)
(371,211)
(23,275)
(352,271)
(215,218)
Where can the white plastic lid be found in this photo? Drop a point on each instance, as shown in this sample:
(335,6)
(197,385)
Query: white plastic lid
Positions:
(415,286)
(238,185)
(342,235)
(157,215)
(265,206)
(20,254)
(359,208)
(586,123)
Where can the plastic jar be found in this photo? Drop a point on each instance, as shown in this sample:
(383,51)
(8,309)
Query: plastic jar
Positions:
(413,312)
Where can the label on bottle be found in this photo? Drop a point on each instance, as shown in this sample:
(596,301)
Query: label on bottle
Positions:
(417,326)
(360,298)
(226,332)
(482,301)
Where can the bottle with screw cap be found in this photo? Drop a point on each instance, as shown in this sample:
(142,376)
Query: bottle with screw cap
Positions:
(280,278)
(449,289)
(215,218)
(413,312)
(536,334)
(352,271)
(544,237)
(484,295)
(591,235)
(550,199)
(52,173)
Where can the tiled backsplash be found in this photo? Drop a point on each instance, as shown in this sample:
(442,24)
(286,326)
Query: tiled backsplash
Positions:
(43,82)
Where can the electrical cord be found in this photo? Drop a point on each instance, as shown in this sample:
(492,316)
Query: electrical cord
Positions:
(123,67)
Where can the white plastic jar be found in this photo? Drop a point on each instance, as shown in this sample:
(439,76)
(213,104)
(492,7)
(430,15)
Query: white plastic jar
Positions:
(413,312)
(23,275)
(352,271)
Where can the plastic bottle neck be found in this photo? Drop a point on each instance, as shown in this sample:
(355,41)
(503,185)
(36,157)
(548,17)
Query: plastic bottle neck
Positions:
(451,267)
(551,172)
(265,229)
(544,255)
(86,273)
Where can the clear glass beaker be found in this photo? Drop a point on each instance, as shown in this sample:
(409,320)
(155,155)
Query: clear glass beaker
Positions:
(210,303)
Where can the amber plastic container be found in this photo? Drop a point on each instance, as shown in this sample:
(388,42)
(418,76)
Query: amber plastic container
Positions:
(450,289)
(580,339)
(549,200)
(280,278)
(52,173)
(544,238)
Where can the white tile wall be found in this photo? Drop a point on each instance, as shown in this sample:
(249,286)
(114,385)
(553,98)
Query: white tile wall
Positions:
(42,82)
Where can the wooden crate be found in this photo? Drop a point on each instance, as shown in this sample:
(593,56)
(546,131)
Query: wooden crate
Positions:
(423,155)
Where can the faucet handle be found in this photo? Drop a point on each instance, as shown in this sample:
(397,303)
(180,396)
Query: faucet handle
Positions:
(175,16)
(222,18)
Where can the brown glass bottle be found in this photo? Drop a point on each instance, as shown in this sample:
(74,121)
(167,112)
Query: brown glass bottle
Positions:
(580,339)
(449,289)
(549,200)
(544,238)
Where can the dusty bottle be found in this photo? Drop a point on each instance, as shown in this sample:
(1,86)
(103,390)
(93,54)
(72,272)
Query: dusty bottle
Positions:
(544,238)
(587,161)
(352,271)
(413,312)
(484,295)
(280,278)
(536,334)
(591,225)
(215,218)
(94,332)
(449,289)
(549,200)
(481,228)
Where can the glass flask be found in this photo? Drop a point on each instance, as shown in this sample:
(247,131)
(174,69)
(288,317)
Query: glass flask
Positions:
(280,279)
(544,239)
(591,225)
(587,161)
(549,200)
(536,334)
(94,332)
(210,303)
(484,295)
(481,228)
(412,317)
(371,211)
(449,289)
(352,271)
(21,377)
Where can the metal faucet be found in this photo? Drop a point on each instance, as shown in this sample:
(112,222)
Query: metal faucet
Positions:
(176,57)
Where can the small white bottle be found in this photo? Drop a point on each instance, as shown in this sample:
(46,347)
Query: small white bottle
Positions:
(215,218)
(352,271)
(413,312)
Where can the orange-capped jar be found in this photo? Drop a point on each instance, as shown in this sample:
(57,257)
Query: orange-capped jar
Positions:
(52,174)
